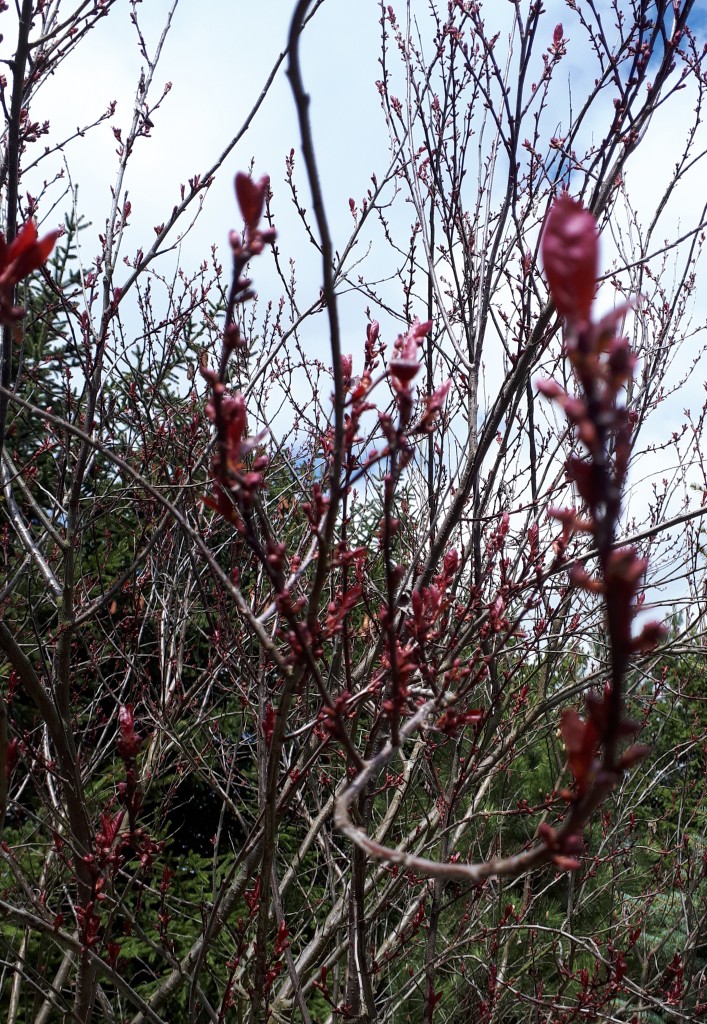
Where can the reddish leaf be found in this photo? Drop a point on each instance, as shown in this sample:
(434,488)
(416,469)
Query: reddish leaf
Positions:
(434,403)
(17,260)
(24,254)
(452,722)
(251,197)
(581,740)
(570,252)
(633,754)
(281,942)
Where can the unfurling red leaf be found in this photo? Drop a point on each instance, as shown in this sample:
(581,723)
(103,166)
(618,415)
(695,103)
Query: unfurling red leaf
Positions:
(281,943)
(570,252)
(11,755)
(24,254)
(651,634)
(251,197)
(434,404)
(452,722)
(18,260)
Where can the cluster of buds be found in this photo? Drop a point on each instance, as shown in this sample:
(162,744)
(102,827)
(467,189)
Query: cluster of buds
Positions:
(229,466)
(401,662)
(106,836)
(128,746)
(358,390)
(404,367)
(339,608)
(236,483)
(602,364)
(111,841)
(430,605)
(331,718)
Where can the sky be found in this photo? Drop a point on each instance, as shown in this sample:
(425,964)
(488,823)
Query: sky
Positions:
(217,56)
(218,63)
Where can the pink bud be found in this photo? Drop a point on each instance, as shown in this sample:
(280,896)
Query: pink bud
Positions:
(550,388)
